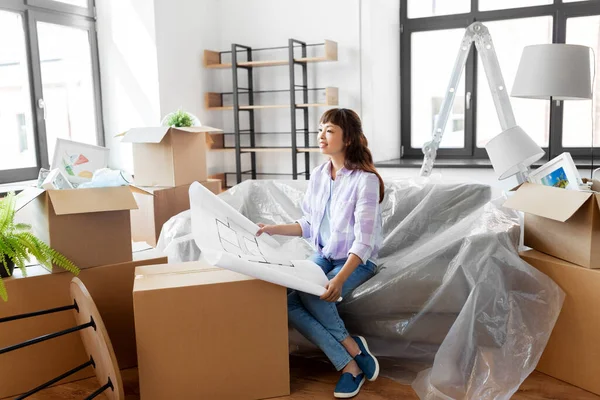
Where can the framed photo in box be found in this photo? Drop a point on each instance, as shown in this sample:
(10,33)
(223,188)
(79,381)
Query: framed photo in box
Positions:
(79,161)
(559,172)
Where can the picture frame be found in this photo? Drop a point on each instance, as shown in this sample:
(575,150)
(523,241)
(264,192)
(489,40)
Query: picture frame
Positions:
(559,172)
(78,161)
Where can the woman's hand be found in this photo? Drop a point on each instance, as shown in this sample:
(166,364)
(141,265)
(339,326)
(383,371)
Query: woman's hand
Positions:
(269,229)
(283,229)
(334,290)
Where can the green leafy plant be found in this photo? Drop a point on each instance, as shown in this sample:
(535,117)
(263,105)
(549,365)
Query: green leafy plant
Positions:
(17,244)
(180,119)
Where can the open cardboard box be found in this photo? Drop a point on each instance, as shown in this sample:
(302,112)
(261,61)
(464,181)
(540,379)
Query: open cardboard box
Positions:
(111,288)
(156,205)
(209,333)
(91,227)
(563,223)
(169,156)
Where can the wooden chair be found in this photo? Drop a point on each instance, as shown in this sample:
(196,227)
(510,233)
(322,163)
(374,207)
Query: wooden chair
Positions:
(95,340)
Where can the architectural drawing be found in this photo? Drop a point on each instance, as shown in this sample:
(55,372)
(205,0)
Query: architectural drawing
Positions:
(236,240)
(228,240)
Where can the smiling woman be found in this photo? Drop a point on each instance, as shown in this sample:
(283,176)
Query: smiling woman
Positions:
(342,220)
(330,139)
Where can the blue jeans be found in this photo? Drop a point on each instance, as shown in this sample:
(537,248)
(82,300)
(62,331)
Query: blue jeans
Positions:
(319,320)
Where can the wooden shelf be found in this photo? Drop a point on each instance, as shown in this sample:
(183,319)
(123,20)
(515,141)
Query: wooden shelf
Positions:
(212,59)
(262,107)
(213,101)
(269,63)
(314,59)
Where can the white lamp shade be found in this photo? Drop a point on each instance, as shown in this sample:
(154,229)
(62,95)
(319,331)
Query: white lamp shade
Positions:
(512,151)
(554,71)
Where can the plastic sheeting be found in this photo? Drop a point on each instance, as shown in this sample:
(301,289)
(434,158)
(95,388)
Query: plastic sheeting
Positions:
(451,301)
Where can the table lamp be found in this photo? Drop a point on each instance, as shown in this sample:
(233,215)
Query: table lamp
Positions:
(512,152)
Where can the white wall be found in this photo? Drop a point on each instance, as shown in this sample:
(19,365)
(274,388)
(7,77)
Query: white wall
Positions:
(129,72)
(380,76)
(184,29)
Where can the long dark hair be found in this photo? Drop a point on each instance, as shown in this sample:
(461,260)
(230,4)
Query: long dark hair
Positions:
(358,155)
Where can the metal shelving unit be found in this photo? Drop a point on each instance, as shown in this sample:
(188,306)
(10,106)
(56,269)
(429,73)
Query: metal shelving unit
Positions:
(215,101)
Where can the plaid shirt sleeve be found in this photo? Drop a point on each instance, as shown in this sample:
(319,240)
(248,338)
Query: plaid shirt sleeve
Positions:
(367,207)
(304,221)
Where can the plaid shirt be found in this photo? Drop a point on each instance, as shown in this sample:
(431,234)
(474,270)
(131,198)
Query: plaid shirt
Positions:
(355,213)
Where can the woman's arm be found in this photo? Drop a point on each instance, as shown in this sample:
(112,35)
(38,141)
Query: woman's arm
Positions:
(334,287)
(365,218)
(286,229)
(304,221)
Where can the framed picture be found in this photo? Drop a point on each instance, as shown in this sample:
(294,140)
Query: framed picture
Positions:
(559,172)
(79,161)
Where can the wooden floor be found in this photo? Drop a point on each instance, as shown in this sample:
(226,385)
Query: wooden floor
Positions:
(316,380)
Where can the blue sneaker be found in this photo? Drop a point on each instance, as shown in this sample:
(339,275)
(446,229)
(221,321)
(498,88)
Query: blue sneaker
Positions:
(348,385)
(365,360)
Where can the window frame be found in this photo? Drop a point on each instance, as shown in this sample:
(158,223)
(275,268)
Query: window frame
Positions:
(64,7)
(50,11)
(559,11)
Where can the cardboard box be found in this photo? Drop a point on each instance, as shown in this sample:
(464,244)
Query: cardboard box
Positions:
(156,205)
(217,140)
(91,227)
(164,156)
(573,351)
(563,223)
(111,288)
(221,177)
(208,333)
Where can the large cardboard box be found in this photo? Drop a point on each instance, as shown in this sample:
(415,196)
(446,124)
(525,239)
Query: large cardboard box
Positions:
(164,156)
(573,351)
(111,288)
(91,227)
(563,223)
(158,205)
(208,333)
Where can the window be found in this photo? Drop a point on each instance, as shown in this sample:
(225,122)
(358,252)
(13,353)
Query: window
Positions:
(49,82)
(430,39)
(434,50)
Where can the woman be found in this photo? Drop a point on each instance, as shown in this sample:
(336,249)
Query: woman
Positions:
(342,219)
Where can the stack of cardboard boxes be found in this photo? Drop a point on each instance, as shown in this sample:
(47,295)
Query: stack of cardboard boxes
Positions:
(92,228)
(201,332)
(95,228)
(165,162)
(563,229)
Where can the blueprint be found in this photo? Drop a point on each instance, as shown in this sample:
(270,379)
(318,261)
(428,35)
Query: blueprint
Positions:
(228,240)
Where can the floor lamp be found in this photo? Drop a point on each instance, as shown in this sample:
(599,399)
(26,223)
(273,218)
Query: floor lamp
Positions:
(552,72)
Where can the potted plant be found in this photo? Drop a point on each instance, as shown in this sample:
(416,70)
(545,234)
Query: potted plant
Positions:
(17,244)
(180,119)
